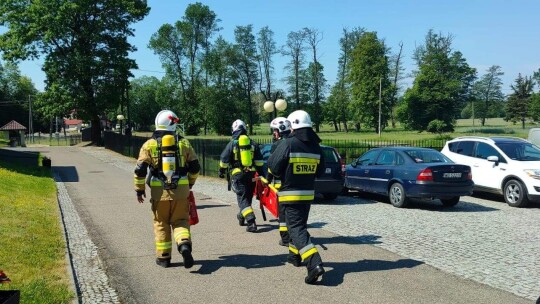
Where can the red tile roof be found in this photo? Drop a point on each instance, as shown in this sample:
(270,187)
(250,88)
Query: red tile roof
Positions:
(71,122)
(12,126)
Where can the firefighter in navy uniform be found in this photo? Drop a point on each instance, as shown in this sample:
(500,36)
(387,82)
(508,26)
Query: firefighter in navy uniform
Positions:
(281,128)
(243,158)
(297,161)
(174,167)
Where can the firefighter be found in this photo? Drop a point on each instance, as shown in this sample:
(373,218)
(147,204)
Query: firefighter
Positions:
(242,158)
(297,161)
(281,128)
(174,167)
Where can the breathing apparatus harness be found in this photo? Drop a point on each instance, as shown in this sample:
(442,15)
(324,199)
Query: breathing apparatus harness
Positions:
(171,167)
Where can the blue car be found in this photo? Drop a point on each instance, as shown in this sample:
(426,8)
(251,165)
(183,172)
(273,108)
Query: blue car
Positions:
(402,173)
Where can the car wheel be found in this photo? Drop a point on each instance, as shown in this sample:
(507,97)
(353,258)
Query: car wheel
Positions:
(397,196)
(515,194)
(330,196)
(450,202)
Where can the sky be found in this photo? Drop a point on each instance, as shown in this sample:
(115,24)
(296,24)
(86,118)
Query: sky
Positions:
(497,32)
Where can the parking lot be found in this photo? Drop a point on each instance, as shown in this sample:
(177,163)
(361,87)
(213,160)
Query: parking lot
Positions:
(481,238)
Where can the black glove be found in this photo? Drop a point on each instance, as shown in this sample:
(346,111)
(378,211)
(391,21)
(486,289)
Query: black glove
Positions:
(140,195)
(222,172)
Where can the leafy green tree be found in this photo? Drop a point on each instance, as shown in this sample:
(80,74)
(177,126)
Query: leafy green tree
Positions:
(369,73)
(488,92)
(337,107)
(317,82)
(85,47)
(182,48)
(294,48)
(143,94)
(519,102)
(15,92)
(243,59)
(442,85)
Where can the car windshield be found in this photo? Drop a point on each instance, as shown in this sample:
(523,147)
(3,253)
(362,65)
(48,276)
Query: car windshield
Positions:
(427,156)
(520,151)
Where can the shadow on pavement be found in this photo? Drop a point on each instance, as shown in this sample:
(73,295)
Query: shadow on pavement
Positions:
(246,261)
(349,240)
(336,271)
(68,174)
(199,207)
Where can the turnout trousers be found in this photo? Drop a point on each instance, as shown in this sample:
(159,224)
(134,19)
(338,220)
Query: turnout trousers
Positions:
(244,185)
(171,219)
(283,230)
(301,245)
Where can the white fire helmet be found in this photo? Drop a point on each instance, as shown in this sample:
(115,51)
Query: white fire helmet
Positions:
(299,119)
(166,120)
(281,124)
(238,124)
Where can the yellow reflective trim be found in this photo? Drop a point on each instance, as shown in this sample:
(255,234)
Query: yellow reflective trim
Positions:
(183,181)
(139,180)
(246,212)
(182,235)
(293,250)
(283,228)
(308,253)
(163,245)
(236,170)
(156,183)
(223,165)
(273,188)
(303,160)
(259,163)
(277,186)
(291,198)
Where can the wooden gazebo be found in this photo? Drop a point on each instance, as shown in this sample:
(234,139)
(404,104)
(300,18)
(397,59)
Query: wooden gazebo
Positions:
(16,133)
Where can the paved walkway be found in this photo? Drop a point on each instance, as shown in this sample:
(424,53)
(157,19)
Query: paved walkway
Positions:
(231,266)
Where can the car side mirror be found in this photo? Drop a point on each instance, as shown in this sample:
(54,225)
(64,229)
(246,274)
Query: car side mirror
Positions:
(494,159)
(354,163)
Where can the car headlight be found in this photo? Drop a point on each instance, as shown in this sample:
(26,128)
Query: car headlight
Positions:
(534,173)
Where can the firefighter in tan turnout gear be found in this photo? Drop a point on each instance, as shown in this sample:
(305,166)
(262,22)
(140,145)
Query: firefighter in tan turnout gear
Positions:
(174,167)
(242,158)
(297,160)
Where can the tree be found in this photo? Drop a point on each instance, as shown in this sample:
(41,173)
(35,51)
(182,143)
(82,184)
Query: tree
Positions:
(317,82)
(182,48)
(337,108)
(442,85)
(488,92)
(85,47)
(369,74)
(517,107)
(143,94)
(267,49)
(244,62)
(15,91)
(396,72)
(294,49)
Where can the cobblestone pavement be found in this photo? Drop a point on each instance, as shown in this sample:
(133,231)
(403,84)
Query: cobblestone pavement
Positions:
(480,239)
(91,280)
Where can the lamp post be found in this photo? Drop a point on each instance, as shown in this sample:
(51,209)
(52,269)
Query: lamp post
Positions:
(272,107)
(120,118)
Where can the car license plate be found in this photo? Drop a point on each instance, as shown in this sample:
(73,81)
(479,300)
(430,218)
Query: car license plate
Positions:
(328,170)
(452,175)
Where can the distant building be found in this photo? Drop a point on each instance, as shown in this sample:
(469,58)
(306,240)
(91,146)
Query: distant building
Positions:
(73,125)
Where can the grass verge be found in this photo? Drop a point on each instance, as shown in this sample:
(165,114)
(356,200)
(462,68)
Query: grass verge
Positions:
(32,247)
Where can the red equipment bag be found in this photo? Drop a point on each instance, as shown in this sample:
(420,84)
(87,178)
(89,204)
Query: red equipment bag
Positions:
(193,215)
(267,195)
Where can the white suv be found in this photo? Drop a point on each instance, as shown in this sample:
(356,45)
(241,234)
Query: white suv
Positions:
(506,165)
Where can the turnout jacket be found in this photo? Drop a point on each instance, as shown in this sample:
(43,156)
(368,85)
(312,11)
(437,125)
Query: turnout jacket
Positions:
(188,163)
(230,157)
(297,160)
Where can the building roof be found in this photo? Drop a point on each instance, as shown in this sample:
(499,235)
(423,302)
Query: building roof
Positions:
(71,122)
(12,126)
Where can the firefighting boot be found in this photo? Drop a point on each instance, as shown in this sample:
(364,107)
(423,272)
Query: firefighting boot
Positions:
(314,274)
(185,251)
(294,260)
(241,219)
(252,227)
(163,262)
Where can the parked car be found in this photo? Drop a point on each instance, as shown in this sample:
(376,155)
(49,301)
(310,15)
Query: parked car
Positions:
(402,173)
(505,165)
(331,183)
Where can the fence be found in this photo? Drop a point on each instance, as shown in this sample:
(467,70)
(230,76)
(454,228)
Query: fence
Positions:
(209,150)
(69,140)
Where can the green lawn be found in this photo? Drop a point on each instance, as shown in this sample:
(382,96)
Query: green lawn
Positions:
(32,250)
